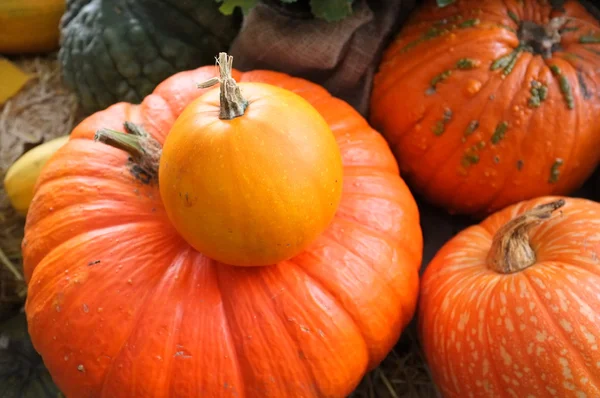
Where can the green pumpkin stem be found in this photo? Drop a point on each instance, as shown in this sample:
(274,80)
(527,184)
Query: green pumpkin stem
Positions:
(233,104)
(144,150)
(511,251)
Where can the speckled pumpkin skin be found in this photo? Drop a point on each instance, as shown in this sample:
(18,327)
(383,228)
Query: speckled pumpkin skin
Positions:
(533,333)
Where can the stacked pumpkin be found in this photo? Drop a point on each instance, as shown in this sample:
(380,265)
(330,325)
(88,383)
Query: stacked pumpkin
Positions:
(145,253)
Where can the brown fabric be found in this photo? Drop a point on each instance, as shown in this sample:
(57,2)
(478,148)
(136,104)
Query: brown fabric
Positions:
(341,56)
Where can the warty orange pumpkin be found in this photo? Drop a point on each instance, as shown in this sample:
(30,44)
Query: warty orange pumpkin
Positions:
(120,305)
(489,103)
(511,307)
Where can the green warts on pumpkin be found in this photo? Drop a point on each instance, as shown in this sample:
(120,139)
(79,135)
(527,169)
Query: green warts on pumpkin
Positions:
(469,23)
(467,63)
(438,29)
(441,28)
(539,93)
(520,164)
(590,39)
(555,171)
(499,132)
(507,28)
(469,159)
(583,85)
(440,126)
(530,39)
(507,62)
(461,64)
(471,155)
(471,127)
(440,78)
(565,86)
(514,18)
(430,34)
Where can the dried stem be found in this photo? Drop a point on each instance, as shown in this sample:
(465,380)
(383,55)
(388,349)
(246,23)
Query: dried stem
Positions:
(233,104)
(511,250)
(144,150)
(10,266)
(541,39)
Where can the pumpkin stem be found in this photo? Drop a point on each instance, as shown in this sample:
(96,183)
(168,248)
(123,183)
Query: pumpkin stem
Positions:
(511,250)
(144,150)
(233,104)
(541,39)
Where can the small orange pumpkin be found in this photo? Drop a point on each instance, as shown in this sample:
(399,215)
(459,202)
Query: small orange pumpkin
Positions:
(250,179)
(489,103)
(511,307)
(120,305)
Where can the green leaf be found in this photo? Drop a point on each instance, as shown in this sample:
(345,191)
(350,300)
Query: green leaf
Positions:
(444,3)
(331,10)
(229,6)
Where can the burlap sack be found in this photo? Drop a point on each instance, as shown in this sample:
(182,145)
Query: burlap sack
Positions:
(341,56)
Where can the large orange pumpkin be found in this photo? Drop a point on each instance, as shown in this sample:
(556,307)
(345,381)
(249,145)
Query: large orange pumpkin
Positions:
(487,103)
(119,305)
(511,307)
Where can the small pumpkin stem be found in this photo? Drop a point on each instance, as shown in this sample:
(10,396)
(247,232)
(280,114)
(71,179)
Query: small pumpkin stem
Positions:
(511,250)
(144,150)
(233,104)
(541,39)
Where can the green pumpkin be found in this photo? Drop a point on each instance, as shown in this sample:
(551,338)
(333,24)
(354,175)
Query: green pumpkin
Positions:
(120,50)
(22,372)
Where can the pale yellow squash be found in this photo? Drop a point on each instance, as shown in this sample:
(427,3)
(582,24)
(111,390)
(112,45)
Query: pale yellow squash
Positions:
(21,177)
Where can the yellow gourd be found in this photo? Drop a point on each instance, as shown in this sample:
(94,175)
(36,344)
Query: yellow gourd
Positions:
(30,26)
(21,177)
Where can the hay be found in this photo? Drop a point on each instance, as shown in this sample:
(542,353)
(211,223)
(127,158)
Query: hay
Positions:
(45,109)
(402,374)
(12,286)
